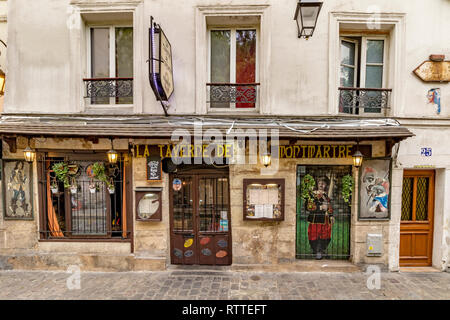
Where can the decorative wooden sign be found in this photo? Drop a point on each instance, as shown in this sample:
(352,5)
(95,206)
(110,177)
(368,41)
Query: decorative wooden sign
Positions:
(315,151)
(184,150)
(434,71)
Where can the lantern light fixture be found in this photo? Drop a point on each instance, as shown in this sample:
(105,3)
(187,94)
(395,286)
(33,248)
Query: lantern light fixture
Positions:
(266,159)
(2,75)
(28,153)
(306,15)
(112,154)
(357,159)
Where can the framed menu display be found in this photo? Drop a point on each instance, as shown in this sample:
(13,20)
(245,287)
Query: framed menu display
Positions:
(264,199)
(148,204)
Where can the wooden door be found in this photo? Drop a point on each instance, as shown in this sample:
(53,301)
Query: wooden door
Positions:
(200,218)
(416,226)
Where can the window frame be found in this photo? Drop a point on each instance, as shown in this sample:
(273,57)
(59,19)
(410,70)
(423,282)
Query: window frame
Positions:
(112,60)
(233,30)
(67,155)
(361,63)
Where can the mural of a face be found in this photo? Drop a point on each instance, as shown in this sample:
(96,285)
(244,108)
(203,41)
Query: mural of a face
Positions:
(369,179)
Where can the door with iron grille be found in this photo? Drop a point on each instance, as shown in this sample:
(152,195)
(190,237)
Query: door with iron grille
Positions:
(323,217)
(200,218)
(416,226)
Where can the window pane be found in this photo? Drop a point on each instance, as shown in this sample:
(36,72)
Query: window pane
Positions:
(309,15)
(375,49)
(348,53)
(374,76)
(100,58)
(347,77)
(245,66)
(407,199)
(220,56)
(220,60)
(124,59)
(422,199)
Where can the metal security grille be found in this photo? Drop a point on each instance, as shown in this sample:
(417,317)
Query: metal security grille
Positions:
(422,199)
(323,224)
(407,198)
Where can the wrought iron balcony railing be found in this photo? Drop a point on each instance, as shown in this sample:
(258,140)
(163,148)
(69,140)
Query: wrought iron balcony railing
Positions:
(243,94)
(367,100)
(109,87)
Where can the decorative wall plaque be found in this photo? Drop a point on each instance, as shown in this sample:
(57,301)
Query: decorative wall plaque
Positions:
(17,190)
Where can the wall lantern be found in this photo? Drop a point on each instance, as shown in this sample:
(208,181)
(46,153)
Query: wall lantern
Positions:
(266,159)
(112,154)
(306,16)
(28,153)
(357,159)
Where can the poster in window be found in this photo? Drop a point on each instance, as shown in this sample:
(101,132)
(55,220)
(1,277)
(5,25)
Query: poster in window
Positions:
(374,189)
(17,187)
(263,199)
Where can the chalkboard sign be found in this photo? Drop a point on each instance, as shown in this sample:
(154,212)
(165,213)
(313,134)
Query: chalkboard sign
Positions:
(154,168)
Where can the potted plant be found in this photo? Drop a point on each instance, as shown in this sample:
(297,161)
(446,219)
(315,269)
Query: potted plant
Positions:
(99,173)
(54,187)
(347,188)
(111,188)
(73,186)
(92,187)
(61,170)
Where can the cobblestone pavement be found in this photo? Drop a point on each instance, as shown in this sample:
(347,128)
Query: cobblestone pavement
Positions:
(221,285)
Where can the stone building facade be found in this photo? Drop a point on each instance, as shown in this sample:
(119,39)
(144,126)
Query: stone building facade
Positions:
(306,96)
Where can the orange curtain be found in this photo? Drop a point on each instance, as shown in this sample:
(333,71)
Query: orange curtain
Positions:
(124,202)
(53,224)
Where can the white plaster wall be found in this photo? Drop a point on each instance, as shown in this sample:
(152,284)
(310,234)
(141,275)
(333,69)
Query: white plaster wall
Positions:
(44,55)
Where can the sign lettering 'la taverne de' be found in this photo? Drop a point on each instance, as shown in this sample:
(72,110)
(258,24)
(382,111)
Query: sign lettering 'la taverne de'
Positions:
(226,151)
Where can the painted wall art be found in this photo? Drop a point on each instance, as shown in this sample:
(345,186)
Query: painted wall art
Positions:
(434,98)
(17,190)
(374,189)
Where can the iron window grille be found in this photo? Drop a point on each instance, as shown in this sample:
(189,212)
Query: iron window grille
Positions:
(70,214)
(222,94)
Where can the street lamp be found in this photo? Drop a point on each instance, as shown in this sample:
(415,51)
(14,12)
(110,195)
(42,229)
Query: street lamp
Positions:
(306,16)
(2,75)
(357,159)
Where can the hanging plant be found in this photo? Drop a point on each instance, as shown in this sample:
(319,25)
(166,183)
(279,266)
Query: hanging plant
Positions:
(54,186)
(306,189)
(347,187)
(61,170)
(99,172)
(73,186)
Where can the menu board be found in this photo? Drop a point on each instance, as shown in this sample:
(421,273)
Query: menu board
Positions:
(264,199)
(154,168)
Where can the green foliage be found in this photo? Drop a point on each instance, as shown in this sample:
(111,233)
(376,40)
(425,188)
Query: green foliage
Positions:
(61,170)
(99,171)
(347,187)
(307,187)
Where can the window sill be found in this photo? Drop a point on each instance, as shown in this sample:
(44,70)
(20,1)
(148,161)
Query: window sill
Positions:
(110,109)
(85,240)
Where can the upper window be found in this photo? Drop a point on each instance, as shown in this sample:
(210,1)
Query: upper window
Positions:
(233,71)
(110,65)
(363,75)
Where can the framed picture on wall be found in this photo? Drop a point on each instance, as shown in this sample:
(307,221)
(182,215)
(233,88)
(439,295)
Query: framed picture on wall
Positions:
(375,189)
(17,190)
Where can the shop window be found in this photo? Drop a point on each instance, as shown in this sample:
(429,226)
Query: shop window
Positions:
(363,75)
(110,65)
(233,68)
(82,197)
